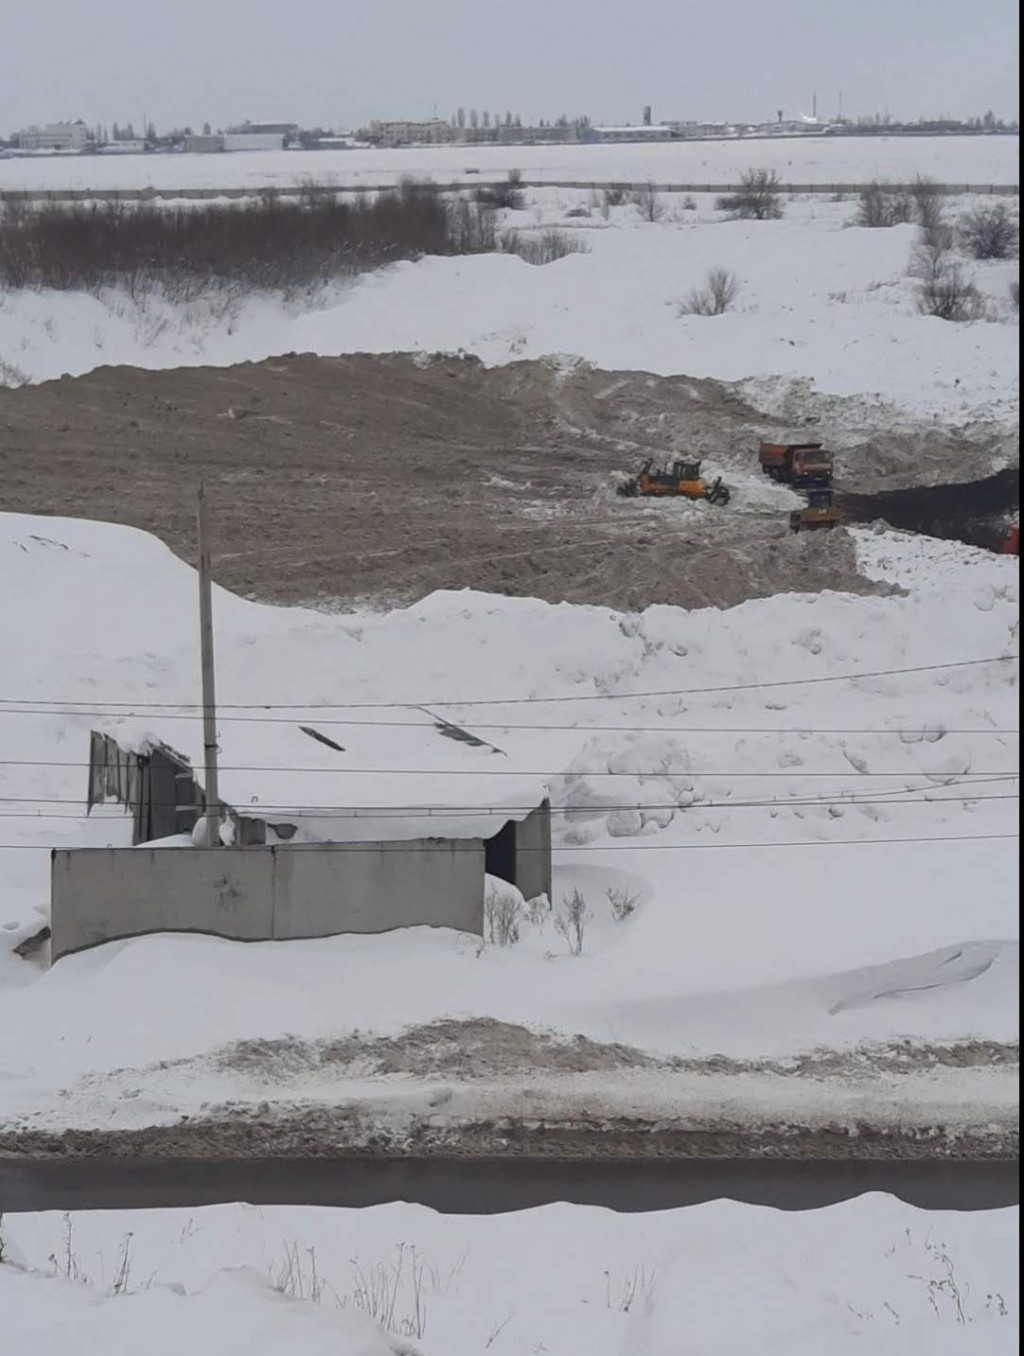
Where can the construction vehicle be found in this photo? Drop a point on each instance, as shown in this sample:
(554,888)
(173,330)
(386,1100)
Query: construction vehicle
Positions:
(821,511)
(681,478)
(799,464)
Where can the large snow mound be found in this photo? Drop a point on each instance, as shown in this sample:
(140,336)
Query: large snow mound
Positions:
(808,857)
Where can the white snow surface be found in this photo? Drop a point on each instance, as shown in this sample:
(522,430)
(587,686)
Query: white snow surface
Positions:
(822,303)
(783,900)
(871,1275)
(809,160)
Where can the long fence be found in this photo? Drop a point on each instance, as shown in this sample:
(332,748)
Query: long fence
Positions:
(286,191)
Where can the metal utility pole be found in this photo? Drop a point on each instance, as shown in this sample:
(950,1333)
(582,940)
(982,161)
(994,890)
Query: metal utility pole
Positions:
(213,813)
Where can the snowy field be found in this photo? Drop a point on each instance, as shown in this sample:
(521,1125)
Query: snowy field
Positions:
(778,841)
(825,308)
(872,1275)
(810,160)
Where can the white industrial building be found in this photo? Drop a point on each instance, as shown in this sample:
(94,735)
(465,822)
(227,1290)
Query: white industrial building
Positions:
(56,136)
(643,132)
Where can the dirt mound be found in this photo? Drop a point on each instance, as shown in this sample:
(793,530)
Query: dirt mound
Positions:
(384,478)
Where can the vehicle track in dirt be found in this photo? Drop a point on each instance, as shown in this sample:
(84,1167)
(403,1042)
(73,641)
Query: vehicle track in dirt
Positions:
(383,478)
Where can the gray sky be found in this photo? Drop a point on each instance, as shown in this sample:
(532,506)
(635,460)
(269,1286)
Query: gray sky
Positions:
(341,62)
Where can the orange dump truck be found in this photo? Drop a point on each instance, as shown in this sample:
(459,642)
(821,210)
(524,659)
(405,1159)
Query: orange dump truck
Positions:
(801,464)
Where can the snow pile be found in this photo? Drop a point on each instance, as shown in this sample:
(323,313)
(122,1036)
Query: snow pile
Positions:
(762,869)
(871,1275)
(822,303)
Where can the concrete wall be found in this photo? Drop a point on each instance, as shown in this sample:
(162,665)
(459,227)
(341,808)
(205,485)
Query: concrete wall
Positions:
(533,853)
(264,893)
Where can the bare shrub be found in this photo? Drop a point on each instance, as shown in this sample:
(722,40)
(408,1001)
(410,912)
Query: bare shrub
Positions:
(990,232)
(615,195)
(538,909)
(379,1291)
(1015,294)
(297,1274)
(881,205)
(541,249)
(571,921)
(262,244)
(647,200)
(689,203)
(927,200)
(509,195)
(503,913)
(717,295)
(757,199)
(623,902)
(950,294)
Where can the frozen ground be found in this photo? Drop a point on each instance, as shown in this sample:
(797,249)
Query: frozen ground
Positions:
(778,843)
(813,160)
(872,1275)
(824,307)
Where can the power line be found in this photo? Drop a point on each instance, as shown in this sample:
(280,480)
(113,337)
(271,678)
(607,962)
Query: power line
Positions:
(613,847)
(8,704)
(505,811)
(945,778)
(138,713)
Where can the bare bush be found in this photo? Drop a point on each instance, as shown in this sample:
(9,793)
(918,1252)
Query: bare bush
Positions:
(948,293)
(615,195)
(927,199)
(1015,294)
(990,232)
(689,203)
(717,295)
(509,195)
(758,197)
(538,909)
(571,921)
(647,200)
(503,913)
(623,902)
(541,249)
(262,244)
(881,205)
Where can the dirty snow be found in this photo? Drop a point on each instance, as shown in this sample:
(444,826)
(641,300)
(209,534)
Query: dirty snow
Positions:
(872,1275)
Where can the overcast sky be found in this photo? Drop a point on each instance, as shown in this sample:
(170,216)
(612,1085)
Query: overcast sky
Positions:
(342,62)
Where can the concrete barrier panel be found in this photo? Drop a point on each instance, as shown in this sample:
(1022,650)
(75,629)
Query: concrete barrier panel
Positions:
(264,893)
(374,887)
(533,853)
(98,894)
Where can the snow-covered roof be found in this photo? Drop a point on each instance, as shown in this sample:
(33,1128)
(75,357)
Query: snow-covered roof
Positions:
(343,776)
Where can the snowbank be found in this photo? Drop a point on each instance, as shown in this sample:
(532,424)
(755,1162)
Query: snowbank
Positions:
(870,1275)
(822,303)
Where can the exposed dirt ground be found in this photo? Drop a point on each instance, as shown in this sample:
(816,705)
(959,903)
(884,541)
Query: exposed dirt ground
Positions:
(383,478)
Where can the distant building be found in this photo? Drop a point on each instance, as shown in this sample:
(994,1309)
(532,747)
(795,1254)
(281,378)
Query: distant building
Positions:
(57,136)
(402,132)
(253,141)
(205,144)
(645,132)
(136,146)
(234,141)
(288,130)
